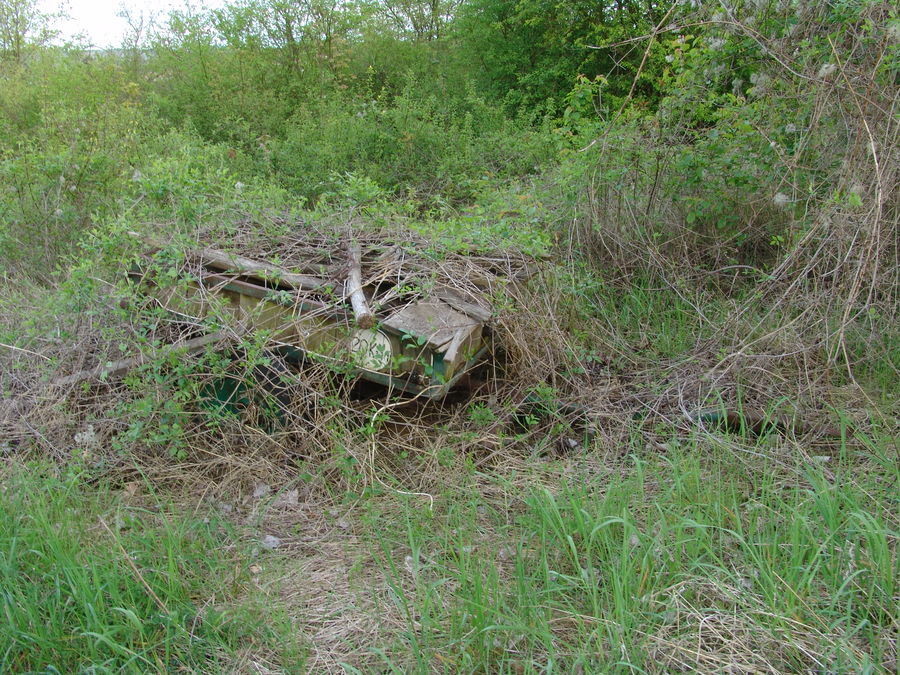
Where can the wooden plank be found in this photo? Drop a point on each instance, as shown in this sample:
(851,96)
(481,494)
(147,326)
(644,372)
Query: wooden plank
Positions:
(452,351)
(461,303)
(433,320)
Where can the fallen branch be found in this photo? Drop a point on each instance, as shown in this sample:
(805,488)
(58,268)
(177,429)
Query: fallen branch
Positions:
(115,368)
(361,311)
(758,423)
(229,262)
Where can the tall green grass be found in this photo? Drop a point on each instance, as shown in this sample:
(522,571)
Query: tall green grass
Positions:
(684,562)
(90,584)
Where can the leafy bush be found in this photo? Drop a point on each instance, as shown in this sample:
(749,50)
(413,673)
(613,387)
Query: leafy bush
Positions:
(407,143)
(69,161)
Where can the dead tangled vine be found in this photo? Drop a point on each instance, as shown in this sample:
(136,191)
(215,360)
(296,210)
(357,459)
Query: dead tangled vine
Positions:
(819,287)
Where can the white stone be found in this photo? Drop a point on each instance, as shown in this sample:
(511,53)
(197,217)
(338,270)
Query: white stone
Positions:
(270,542)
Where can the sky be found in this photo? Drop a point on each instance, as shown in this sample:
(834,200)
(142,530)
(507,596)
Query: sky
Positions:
(97,20)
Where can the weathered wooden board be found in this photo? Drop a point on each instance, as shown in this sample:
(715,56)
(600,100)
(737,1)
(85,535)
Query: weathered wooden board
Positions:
(433,320)
(475,308)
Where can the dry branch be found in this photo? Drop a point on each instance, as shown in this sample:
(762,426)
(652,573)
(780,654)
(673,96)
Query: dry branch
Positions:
(255,269)
(114,368)
(364,316)
(225,261)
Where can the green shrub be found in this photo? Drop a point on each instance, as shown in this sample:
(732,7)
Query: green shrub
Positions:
(409,143)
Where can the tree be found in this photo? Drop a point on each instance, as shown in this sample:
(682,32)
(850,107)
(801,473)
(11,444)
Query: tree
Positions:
(136,39)
(532,51)
(419,19)
(22,25)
